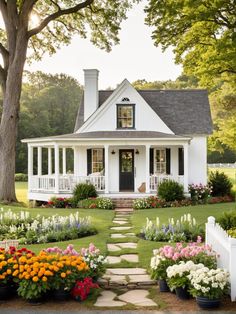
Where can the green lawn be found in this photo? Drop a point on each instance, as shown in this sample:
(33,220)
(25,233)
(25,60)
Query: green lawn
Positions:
(102,219)
(200,212)
(21,192)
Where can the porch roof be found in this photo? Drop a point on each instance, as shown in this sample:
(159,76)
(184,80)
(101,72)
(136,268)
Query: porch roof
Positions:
(104,135)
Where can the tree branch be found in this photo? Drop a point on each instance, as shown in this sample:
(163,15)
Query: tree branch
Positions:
(57,14)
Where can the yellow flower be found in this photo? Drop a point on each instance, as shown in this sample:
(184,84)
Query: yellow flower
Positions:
(9,271)
(15,273)
(44,278)
(63,275)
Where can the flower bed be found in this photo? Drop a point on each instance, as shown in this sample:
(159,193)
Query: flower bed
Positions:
(28,230)
(199,195)
(92,202)
(35,275)
(183,229)
(191,270)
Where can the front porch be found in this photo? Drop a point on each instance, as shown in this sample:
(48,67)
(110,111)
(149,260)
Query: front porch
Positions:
(143,166)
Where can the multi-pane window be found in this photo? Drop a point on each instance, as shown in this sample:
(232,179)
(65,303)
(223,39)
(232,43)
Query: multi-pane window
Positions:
(97,160)
(125,116)
(160,161)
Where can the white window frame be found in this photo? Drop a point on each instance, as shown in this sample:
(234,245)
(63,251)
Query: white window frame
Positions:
(97,162)
(160,162)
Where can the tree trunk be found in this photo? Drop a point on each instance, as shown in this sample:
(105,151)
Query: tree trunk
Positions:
(9,121)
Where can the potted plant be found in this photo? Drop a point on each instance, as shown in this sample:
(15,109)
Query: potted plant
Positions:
(177,278)
(159,265)
(6,269)
(208,286)
(66,271)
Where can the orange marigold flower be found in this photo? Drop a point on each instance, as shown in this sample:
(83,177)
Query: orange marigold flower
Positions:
(35,279)
(63,275)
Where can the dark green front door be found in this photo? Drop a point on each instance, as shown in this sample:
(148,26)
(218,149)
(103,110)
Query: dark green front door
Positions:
(126,157)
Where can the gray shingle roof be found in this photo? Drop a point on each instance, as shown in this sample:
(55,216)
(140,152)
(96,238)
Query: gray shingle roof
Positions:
(185,112)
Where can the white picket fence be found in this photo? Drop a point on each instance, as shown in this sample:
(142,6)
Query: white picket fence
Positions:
(8,243)
(225,247)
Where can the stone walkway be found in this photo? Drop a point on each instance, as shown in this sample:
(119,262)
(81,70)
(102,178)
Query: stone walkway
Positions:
(133,281)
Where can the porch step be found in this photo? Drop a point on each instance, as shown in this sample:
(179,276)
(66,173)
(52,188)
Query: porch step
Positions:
(123,202)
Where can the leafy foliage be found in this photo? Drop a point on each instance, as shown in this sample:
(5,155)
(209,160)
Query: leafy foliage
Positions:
(227,220)
(83,191)
(220,184)
(203,34)
(170,190)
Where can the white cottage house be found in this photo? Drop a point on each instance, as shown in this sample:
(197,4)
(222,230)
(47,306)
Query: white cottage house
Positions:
(125,142)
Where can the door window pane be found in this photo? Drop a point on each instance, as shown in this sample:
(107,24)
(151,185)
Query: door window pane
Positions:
(126,162)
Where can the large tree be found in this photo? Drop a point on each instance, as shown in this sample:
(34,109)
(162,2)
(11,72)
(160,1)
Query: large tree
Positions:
(203,33)
(58,21)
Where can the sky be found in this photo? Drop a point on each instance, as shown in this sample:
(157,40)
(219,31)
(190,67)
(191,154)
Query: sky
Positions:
(134,58)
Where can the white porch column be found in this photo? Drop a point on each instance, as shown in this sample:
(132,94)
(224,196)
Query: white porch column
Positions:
(39,161)
(57,169)
(147,168)
(49,161)
(64,160)
(30,165)
(186,149)
(106,155)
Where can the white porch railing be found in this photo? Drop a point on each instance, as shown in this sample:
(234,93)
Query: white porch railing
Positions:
(67,183)
(225,247)
(155,180)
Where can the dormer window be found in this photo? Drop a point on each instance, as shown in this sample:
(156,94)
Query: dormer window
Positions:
(125,116)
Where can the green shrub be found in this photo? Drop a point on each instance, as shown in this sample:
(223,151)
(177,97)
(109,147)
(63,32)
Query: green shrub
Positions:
(104,203)
(21,177)
(220,184)
(170,190)
(83,191)
(227,220)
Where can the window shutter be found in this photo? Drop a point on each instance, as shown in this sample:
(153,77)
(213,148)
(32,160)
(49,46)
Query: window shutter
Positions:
(89,161)
(181,162)
(103,160)
(151,160)
(167,160)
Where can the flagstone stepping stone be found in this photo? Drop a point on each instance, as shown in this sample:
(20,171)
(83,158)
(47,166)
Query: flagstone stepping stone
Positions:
(127,245)
(126,271)
(120,222)
(137,297)
(118,236)
(113,247)
(144,279)
(130,234)
(132,258)
(113,259)
(118,280)
(120,219)
(107,300)
(121,228)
